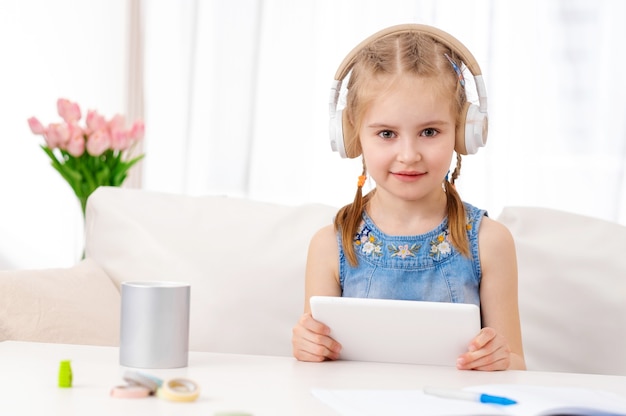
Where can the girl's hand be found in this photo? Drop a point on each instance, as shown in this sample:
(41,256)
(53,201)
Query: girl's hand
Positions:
(488,351)
(311,341)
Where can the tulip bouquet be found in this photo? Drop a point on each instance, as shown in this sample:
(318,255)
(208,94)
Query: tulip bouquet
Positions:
(90,156)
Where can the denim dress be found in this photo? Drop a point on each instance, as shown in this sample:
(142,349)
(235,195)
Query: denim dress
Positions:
(423,267)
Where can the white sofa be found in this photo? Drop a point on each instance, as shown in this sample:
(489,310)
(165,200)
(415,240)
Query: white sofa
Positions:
(245,262)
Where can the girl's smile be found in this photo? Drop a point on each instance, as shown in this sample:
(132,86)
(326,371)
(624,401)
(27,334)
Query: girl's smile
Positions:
(408,176)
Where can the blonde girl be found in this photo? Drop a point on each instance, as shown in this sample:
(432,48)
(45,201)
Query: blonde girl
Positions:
(412,236)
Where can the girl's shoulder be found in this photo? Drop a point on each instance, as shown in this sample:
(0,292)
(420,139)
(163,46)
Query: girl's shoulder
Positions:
(495,236)
(325,238)
(491,231)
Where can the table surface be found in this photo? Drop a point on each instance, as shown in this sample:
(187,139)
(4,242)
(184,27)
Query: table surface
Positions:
(259,385)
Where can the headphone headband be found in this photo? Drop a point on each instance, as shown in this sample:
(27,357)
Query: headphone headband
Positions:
(437,34)
(473,133)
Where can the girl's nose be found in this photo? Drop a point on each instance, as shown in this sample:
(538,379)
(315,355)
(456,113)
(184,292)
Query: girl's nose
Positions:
(408,150)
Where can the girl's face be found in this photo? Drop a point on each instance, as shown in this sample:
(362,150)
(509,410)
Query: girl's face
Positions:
(407,137)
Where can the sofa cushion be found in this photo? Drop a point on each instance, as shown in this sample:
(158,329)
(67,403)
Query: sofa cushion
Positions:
(244,259)
(78,305)
(572,290)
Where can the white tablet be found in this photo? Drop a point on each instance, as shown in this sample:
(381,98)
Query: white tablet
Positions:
(398,331)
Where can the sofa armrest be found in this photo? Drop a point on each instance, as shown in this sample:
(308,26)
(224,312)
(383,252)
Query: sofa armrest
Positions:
(77,305)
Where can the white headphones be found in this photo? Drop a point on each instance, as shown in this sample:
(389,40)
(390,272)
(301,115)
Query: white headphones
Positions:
(471,133)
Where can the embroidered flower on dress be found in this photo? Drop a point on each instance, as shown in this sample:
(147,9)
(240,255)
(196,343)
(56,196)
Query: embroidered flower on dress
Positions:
(440,247)
(403,251)
(367,242)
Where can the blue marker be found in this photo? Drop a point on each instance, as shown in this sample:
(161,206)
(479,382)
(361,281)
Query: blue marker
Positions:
(469,395)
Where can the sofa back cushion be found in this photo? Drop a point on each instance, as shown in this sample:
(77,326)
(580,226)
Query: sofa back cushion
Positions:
(244,259)
(572,290)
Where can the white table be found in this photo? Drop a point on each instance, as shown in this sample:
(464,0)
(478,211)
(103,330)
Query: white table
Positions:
(260,385)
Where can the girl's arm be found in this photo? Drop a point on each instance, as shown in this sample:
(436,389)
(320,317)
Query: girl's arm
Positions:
(498,346)
(311,340)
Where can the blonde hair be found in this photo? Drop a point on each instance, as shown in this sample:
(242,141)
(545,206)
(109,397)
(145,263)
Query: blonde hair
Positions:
(413,53)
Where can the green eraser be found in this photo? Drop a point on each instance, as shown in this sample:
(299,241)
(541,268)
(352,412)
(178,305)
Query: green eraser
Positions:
(65,374)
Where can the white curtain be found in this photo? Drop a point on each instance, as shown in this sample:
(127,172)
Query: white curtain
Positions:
(249,81)
(235,102)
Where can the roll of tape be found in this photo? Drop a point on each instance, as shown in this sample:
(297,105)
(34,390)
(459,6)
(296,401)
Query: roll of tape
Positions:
(130,392)
(140,379)
(179,390)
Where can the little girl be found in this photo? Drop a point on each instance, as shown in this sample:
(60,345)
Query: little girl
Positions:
(412,237)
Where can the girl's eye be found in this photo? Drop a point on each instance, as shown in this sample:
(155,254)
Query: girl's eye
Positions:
(387,134)
(429,132)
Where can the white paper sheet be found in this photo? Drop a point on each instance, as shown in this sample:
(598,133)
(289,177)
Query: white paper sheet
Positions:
(532,400)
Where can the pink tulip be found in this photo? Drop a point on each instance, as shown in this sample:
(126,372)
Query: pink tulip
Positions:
(95,121)
(52,137)
(118,122)
(119,140)
(76,146)
(137,131)
(35,126)
(75,132)
(119,135)
(57,135)
(69,111)
(98,142)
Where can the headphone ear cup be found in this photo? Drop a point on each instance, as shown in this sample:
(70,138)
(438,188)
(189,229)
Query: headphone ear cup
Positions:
(335,130)
(459,139)
(340,128)
(476,129)
(471,132)
(348,134)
